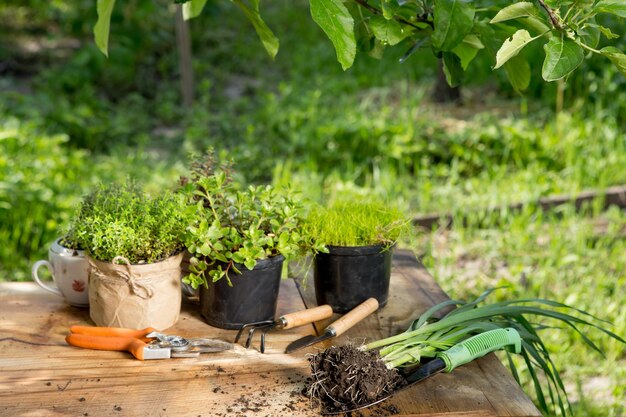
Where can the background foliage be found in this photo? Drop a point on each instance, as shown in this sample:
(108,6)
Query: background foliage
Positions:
(456,31)
(70,118)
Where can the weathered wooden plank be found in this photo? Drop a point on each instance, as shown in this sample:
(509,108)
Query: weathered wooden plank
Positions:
(42,376)
(479,413)
(612,196)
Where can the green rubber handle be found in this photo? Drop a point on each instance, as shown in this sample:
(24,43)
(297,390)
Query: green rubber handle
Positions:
(478,346)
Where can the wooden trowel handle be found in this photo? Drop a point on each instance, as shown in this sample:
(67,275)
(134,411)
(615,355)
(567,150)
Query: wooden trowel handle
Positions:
(307,316)
(354,316)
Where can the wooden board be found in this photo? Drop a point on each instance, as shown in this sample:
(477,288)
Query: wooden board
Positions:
(612,196)
(40,375)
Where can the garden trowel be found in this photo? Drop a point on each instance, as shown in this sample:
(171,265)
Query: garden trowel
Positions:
(287,321)
(463,352)
(339,326)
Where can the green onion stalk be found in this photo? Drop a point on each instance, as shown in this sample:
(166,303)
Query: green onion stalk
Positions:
(426,336)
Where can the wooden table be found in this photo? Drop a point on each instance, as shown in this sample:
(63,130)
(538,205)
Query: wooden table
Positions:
(40,375)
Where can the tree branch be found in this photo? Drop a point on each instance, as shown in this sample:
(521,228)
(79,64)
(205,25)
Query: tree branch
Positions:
(367,6)
(553,17)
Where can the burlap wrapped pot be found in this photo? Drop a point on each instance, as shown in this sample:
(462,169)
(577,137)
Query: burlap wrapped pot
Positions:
(135,296)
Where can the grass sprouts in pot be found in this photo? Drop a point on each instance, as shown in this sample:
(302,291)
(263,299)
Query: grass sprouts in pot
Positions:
(358,222)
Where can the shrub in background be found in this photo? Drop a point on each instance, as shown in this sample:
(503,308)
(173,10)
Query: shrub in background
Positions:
(40,183)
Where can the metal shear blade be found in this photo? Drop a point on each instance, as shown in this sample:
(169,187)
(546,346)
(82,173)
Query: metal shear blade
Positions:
(184,348)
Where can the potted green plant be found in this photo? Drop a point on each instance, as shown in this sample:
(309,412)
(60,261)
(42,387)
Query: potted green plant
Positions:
(238,243)
(360,235)
(134,245)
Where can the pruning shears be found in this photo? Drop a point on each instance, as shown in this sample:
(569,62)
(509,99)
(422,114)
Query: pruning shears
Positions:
(144,344)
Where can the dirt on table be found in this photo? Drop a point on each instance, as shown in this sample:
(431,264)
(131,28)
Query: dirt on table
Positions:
(344,378)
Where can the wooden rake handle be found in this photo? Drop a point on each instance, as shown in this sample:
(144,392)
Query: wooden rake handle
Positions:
(354,316)
(307,316)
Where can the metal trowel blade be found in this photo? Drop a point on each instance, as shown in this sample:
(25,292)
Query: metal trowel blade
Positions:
(308,341)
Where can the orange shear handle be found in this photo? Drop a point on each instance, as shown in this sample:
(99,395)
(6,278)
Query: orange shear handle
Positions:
(123,344)
(113,332)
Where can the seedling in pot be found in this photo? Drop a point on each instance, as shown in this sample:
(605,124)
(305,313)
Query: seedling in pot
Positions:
(360,234)
(234,227)
(357,222)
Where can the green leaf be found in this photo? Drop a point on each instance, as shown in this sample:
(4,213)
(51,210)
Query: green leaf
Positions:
(562,57)
(238,257)
(468,49)
(364,42)
(466,54)
(452,69)
(205,249)
(250,264)
(512,46)
(387,31)
(525,13)
(102,26)
(515,11)
(221,257)
(605,31)
(535,25)
(335,20)
(518,72)
(193,8)
(453,20)
(389,8)
(590,36)
(473,41)
(270,42)
(408,10)
(517,68)
(616,7)
(378,50)
(616,56)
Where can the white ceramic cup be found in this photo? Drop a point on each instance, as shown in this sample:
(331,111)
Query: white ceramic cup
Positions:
(70,272)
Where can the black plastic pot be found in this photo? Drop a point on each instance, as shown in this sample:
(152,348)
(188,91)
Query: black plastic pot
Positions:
(252,297)
(349,275)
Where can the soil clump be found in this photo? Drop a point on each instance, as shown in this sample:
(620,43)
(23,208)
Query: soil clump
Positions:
(344,378)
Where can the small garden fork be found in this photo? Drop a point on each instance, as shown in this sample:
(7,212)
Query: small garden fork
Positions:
(288,321)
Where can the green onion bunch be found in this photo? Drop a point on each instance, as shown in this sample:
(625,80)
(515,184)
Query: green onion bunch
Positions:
(426,336)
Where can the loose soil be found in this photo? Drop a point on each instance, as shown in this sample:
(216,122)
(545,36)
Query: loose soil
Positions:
(344,378)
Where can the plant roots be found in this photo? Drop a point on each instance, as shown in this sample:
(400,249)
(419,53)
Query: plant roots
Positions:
(344,378)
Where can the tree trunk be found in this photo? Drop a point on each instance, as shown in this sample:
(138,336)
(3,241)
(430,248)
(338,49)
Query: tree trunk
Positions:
(183,42)
(443,93)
